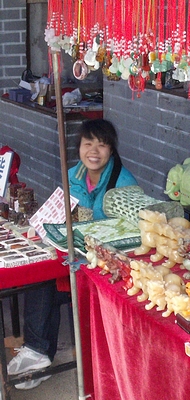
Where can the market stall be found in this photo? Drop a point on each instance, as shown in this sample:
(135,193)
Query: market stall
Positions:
(129,352)
(131,59)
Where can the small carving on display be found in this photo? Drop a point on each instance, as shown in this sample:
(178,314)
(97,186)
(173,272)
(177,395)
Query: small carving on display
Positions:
(22,203)
(109,259)
(164,286)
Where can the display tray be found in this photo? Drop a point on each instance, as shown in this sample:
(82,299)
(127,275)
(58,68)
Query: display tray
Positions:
(117,232)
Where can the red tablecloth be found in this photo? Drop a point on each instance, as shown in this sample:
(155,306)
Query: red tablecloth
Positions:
(129,353)
(34,273)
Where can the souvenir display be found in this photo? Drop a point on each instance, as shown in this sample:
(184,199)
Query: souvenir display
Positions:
(177,183)
(118,232)
(16,250)
(109,259)
(126,201)
(163,235)
(14,260)
(130,40)
(158,285)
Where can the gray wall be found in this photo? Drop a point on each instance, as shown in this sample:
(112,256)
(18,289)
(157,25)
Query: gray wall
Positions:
(34,136)
(12,43)
(153,136)
(154,132)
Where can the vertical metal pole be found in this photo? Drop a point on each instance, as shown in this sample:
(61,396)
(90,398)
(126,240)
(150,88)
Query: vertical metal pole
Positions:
(62,146)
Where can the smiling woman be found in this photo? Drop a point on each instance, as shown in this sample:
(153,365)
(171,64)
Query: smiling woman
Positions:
(94,154)
(99,168)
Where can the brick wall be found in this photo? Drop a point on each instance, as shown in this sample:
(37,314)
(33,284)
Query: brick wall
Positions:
(154,132)
(12,43)
(35,137)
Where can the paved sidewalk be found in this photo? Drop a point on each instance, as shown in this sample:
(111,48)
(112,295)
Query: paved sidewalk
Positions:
(62,386)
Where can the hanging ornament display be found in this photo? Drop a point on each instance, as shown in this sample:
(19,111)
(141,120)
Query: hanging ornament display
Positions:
(110,33)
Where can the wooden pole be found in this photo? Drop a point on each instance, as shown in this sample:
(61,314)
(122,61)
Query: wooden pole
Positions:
(65,182)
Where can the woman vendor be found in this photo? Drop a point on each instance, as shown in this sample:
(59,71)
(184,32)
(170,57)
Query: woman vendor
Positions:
(98,170)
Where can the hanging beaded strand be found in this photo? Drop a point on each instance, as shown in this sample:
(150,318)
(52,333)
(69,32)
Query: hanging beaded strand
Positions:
(150,25)
(108,27)
(181,26)
(100,19)
(161,47)
(90,21)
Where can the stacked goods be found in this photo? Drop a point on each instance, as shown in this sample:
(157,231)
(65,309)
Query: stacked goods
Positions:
(22,203)
(155,284)
(109,259)
(22,199)
(161,287)
(16,250)
(165,236)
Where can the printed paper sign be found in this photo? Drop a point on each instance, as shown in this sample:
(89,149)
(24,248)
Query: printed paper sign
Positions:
(52,211)
(5,164)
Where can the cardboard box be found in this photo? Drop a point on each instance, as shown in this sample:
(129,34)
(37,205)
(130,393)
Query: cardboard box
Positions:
(19,95)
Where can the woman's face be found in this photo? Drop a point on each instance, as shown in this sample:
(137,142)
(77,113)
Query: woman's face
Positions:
(94,154)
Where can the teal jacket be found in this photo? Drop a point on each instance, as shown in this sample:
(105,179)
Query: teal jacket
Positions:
(94,200)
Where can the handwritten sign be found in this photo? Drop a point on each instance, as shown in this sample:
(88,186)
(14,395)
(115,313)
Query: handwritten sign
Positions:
(5,165)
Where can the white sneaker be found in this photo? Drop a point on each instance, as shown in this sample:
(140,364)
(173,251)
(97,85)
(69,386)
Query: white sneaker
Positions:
(27,360)
(31,384)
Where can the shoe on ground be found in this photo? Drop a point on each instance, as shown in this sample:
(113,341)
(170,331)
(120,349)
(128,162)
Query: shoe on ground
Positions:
(27,360)
(31,384)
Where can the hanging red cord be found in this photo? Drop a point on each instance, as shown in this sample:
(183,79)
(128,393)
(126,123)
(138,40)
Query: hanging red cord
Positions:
(181,26)
(188,31)
(161,48)
(173,11)
(128,26)
(108,25)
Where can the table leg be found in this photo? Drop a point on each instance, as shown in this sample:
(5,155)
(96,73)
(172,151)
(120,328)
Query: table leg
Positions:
(4,391)
(2,318)
(15,315)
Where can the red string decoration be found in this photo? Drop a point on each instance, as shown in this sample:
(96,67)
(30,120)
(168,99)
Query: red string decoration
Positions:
(125,28)
(136,84)
(188,30)
(123,23)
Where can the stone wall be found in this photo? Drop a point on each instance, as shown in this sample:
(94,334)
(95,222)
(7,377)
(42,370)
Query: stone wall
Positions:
(154,132)
(12,43)
(34,135)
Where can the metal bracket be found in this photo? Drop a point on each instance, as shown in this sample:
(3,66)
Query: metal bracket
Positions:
(75,265)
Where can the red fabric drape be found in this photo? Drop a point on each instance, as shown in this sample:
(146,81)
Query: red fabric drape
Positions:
(129,353)
(35,272)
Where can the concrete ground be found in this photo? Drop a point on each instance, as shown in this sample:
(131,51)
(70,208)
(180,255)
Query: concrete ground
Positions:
(62,386)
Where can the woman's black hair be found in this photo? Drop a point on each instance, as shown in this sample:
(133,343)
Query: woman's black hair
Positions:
(102,129)
(105,132)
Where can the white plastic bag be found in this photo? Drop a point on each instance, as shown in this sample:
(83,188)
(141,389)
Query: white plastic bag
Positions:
(71,97)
